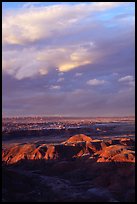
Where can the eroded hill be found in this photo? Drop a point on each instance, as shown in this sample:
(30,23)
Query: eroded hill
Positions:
(79,169)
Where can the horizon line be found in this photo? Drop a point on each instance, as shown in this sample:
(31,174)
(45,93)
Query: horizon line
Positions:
(61,116)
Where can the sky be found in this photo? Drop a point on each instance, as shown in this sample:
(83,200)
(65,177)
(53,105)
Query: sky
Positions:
(68,59)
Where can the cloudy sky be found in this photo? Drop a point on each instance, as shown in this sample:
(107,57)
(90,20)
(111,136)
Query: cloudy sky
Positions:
(69,59)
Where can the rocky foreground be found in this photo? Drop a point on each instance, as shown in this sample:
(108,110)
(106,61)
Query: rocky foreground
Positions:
(78,170)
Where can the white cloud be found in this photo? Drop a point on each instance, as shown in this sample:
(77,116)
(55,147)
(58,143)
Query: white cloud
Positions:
(31,61)
(66,58)
(126,78)
(37,38)
(22,64)
(54,40)
(96,82)
(34,23)
(55,87)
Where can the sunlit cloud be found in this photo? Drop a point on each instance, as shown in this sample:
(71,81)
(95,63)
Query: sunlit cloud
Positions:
(40,62)
(53,53)
(26,25)
(29,29)
(69,66)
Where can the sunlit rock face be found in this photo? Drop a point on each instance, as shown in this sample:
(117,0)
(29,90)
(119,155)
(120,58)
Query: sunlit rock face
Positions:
(116,153)
(117,150)
(80,169)
(79,138)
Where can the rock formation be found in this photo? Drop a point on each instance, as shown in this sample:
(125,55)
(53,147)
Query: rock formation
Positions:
(117,150)
(80,169)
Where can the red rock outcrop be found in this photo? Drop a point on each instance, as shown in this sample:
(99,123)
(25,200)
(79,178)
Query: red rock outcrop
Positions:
(116,153)
(79,138)
(81,170)
(116,150)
